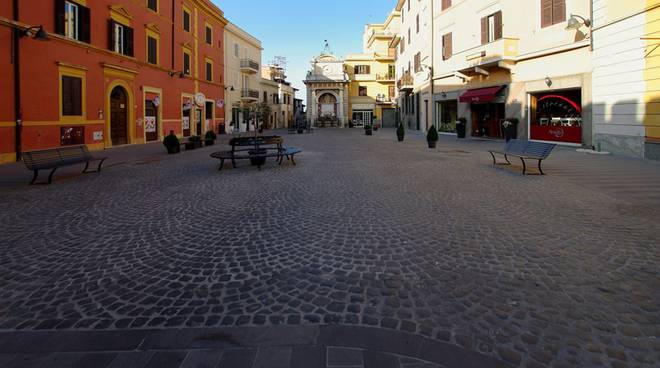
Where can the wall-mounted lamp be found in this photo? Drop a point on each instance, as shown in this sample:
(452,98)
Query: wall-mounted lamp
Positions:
(574,23)
(38,33)
(229,88)
(548,81)
(180,74)
(100,114)
(443,94)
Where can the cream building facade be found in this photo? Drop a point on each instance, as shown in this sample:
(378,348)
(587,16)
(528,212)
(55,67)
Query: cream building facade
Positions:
(626,75)
(327,91)
(414,62)
(242,75)
(372,74)
(279,94)
(511,59)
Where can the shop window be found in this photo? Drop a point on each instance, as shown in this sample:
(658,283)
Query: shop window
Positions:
(72,136)
(153,5)
(72,20)
(152,50)
(362,91)
(552,12)
(121,38)
(491,28)
(186,20)
(72,96)
(556,116)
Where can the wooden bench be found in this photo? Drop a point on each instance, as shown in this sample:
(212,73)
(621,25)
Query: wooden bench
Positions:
(524,150)
(240,147)
(54,158)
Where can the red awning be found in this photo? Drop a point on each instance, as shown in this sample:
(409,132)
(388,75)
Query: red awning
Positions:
(480,95)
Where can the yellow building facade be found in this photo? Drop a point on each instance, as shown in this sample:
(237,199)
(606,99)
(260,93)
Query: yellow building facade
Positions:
(372,75)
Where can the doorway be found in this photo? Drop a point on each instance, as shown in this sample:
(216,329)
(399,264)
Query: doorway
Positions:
(389,118)
(208,114)
(150,121)
(487,119)
(119,116)
(363,117)
(198,121)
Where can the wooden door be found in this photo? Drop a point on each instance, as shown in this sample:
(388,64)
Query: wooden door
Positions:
(118,116)
(151,121)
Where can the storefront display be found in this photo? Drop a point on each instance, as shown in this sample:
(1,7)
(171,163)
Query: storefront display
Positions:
(557,116)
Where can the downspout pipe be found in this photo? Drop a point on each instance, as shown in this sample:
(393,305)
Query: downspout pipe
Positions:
(17,83)
(432,71)
(173,25)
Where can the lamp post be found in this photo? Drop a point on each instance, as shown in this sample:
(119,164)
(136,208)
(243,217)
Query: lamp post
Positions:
(37,33)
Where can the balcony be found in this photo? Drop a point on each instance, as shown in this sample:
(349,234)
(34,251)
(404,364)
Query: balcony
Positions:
(364,77)
(501,54)
(385,100)
(249,66)
(249,95)
(406,82)
(385,77)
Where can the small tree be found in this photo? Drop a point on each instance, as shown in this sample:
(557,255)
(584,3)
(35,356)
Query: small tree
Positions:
(259,111)
(432,135)
(400,131)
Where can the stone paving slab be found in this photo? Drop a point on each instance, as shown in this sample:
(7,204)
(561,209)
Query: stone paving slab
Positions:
(559,270)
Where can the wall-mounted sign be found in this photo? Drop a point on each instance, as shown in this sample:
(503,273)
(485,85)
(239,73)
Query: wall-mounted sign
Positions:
(200,99)
(220,103)
(156,101)
(150,124)
(186,122)
(98,136)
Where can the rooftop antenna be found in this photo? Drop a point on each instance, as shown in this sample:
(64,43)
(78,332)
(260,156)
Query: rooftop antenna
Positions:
(279,67)
(326,50)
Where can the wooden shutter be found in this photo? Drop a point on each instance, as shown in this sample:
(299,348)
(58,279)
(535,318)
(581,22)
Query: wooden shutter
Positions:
(546,13)
(152,50)
(84,24)
(128,41)
(59,17)
(111,35)
(76,93)
(368,69)
(484,30)
(71,96)
(498,25)
(447,49)
(558,11)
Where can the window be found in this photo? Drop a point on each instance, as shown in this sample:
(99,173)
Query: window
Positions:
(445,4)
(418,62)
(362,91)
(417,23)
(209,35)
(409,5)
(72,21)
(362,69)
(403,15)
(552,12)
(153,5)
(72,96)
(209,70)
(237,50)
(186,20)
(121,38)
(265,96)
(403,46)
(447,46)
(390,92)
(152,50)
(186,63)
(491,28)
(409,36)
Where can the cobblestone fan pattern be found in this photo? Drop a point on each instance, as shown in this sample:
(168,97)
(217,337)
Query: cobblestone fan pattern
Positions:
(537,271)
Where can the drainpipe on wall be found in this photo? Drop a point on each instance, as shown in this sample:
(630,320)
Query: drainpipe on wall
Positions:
(17,85)
(173,24)
(432,71)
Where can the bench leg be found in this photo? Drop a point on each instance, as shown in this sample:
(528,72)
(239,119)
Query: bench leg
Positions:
(540,169)
(34,177)
(292,160)
(222,165)
(233,163)
(98,169)
(507,159)
(524,166)
(86,167)
(50,177)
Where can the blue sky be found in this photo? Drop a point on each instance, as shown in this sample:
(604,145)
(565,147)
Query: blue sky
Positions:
(296,28)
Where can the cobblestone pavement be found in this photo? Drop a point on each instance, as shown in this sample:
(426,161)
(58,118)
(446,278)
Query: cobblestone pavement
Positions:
(364,231)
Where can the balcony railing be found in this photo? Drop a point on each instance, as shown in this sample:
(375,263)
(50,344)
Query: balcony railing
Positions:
(249,65)
(405,82)
(385,77)
(500,53)
(250,94)
(385,99)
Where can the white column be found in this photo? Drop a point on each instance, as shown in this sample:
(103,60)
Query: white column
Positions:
(341,113)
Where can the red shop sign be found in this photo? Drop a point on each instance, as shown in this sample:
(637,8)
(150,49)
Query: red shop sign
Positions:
(556,133)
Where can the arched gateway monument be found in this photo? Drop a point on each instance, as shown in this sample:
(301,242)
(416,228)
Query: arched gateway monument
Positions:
(327,91)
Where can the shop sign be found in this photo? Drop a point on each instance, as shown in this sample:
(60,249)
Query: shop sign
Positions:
(200,99)
(220,103)
(98,136)
(568,134)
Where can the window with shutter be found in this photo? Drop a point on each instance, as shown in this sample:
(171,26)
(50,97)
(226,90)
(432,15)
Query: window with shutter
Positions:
(498,25)
(552,12)
(209,71)
(71,96)
(209,35)
(446,4)
(153,5)
(186,21)
(447,50)
(186,63)
(484,30)
(128,41)
(84,24)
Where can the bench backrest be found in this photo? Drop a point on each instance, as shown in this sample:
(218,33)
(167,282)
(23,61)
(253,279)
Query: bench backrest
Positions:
(55,155)
(539,150)
(516,146)
(251,141)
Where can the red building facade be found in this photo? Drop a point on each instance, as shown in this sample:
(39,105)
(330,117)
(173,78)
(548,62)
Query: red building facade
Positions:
(112,72)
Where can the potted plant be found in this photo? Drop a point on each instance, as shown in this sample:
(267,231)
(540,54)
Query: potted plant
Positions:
(171,142)
(510,129)
(209,138)
(350,124)
(400,132)
(368,129)
(461,126)
(194,141)
(432,137)
(259,111)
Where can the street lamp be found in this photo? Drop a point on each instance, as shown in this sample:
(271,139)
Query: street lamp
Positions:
(39,35)
(180,74)
(573,23)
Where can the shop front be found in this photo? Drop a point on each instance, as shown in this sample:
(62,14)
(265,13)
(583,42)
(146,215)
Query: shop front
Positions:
(487,107)
(556,116)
